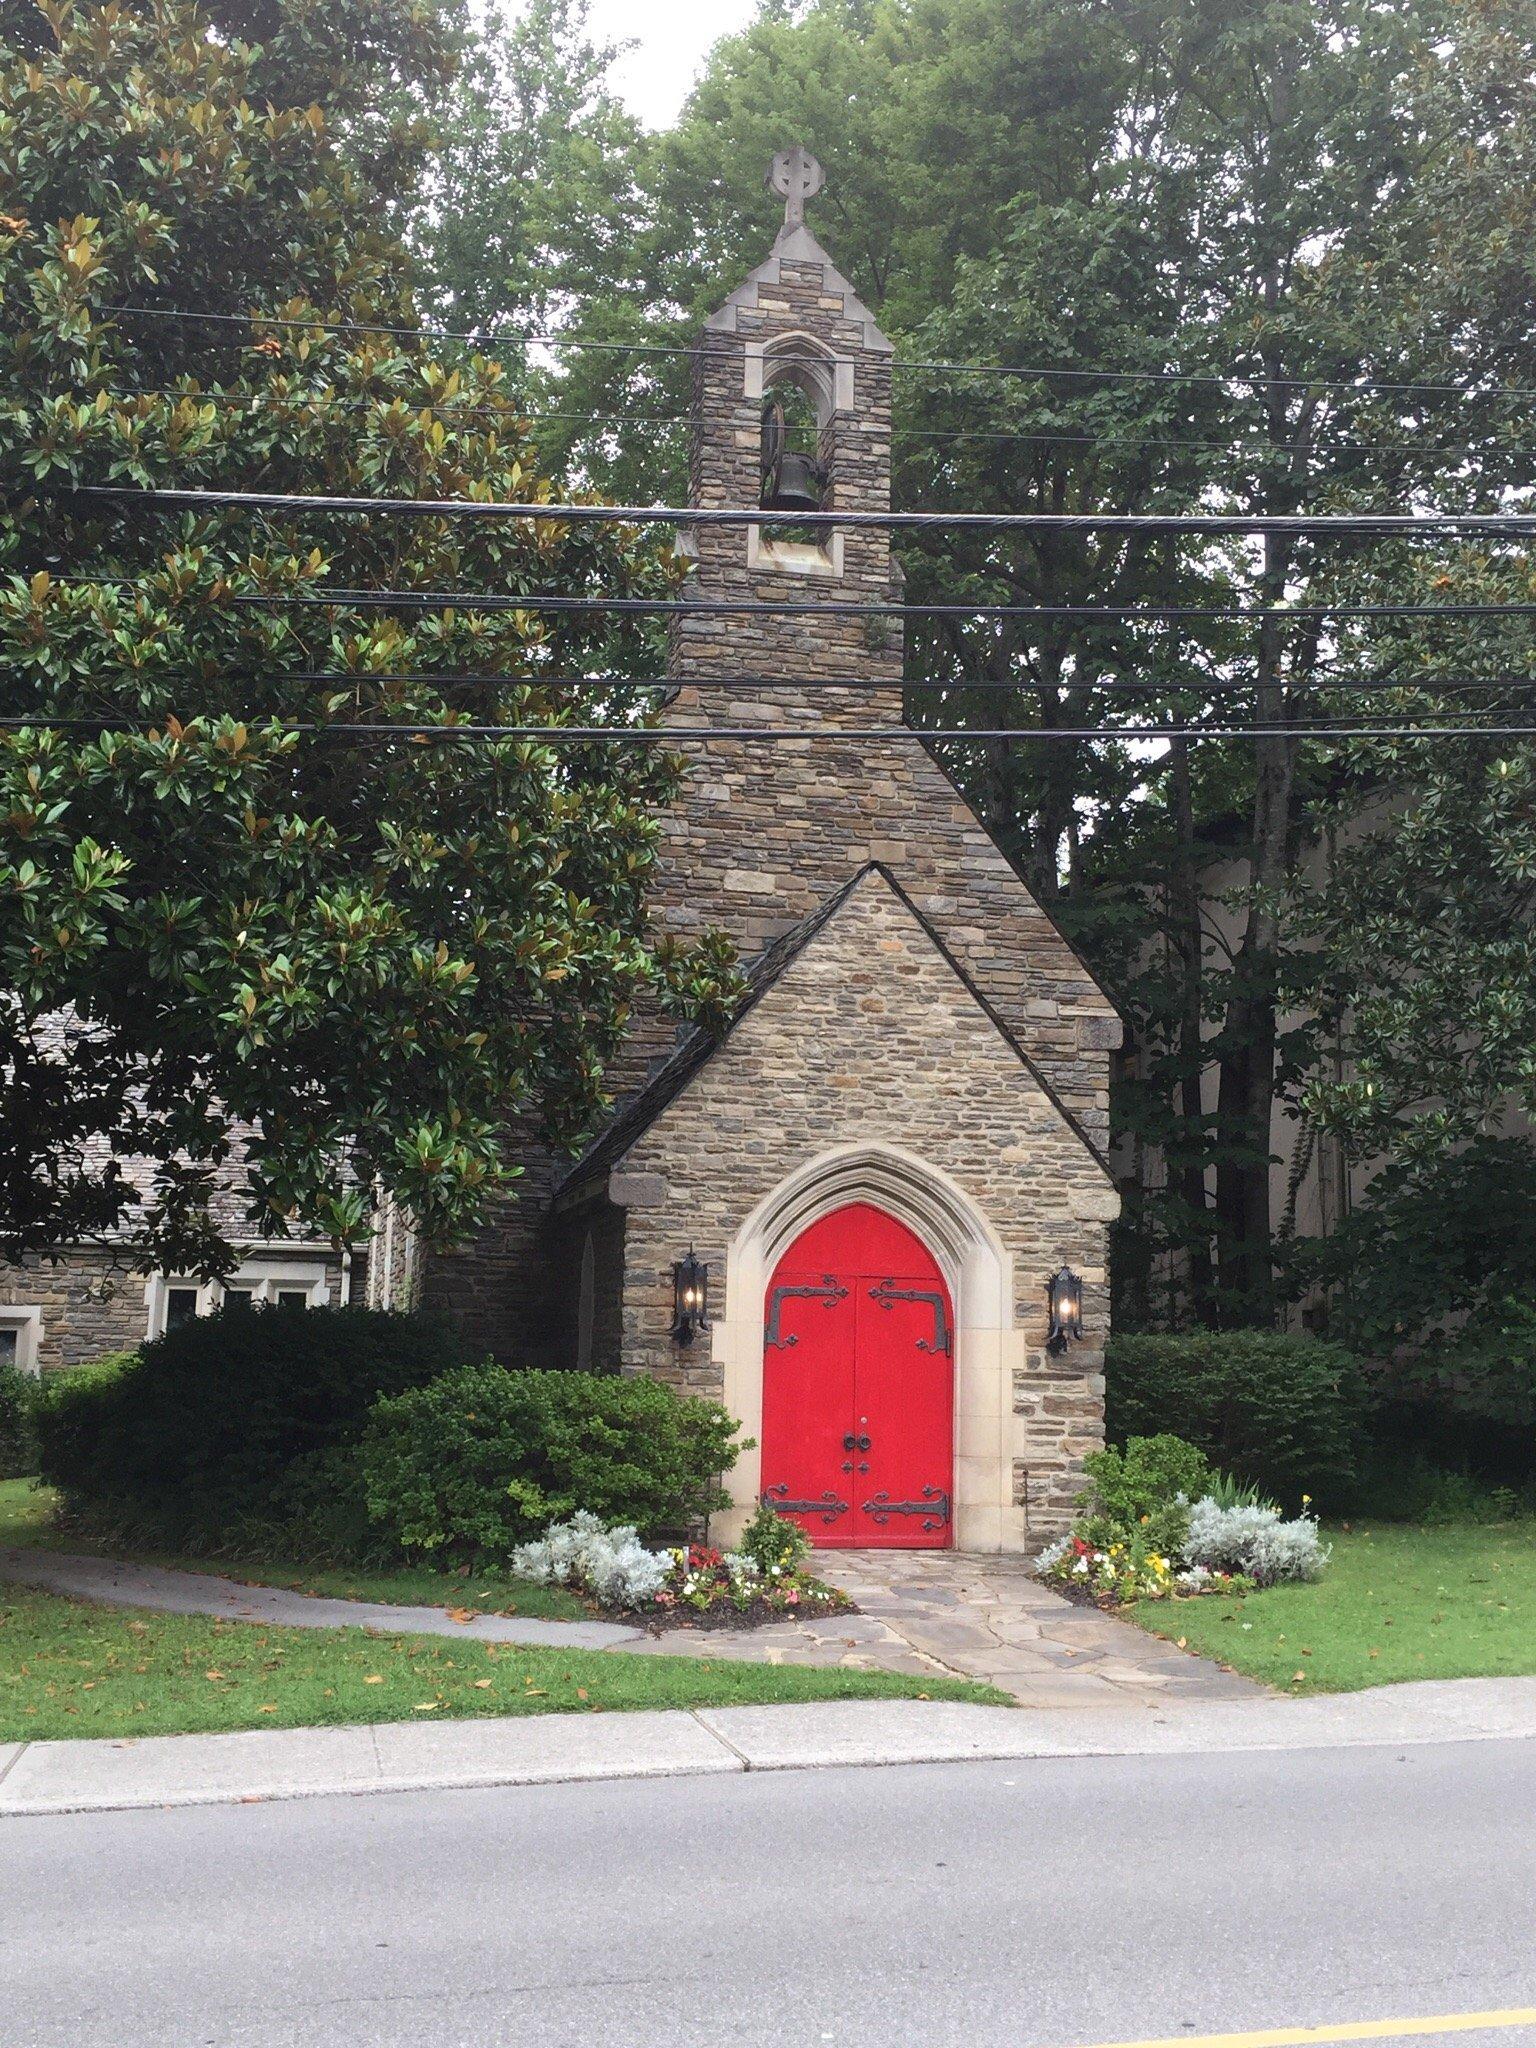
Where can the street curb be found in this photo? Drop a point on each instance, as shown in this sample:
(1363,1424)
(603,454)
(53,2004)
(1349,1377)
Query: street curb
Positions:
(256,1766)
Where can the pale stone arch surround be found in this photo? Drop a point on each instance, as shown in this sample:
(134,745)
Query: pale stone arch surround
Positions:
(979,1273)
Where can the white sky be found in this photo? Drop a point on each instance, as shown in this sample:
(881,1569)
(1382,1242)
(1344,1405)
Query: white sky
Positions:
(673,38)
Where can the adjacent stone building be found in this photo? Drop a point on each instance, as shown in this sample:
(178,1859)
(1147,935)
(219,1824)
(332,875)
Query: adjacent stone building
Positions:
(919,1039)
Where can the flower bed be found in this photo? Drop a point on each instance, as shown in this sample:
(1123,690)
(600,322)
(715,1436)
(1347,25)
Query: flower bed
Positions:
(1160,1524)
(688,1586)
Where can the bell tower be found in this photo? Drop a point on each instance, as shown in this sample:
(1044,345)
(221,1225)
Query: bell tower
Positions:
(792,413)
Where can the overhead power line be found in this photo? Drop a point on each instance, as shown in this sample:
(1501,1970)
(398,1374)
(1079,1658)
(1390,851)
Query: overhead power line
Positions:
(453,410)
(1166,686)
(706,734)
(492,337)
(1397,524)
(664,607)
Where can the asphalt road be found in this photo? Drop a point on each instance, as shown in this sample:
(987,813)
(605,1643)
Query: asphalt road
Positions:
(1039,1905)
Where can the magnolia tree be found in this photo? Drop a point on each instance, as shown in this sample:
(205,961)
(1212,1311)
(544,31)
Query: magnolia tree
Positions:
(233,934)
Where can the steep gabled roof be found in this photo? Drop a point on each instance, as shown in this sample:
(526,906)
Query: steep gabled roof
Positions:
(701,1045)
(798,245)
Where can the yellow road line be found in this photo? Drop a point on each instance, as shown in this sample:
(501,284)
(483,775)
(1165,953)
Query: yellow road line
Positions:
(1348,2030)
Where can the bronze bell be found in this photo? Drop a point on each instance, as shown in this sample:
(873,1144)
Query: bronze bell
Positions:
(791,482)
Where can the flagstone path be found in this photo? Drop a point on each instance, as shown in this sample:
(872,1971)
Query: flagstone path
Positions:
(964,1616)
(933,1611)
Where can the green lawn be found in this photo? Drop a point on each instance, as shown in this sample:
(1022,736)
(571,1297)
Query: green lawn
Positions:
(1395,1603)
(26,1517)
(67,1668)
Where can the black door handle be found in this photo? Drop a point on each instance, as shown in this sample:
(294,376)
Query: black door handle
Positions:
(863,1443)
(855,1443)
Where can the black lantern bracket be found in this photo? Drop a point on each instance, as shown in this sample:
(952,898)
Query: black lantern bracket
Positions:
(690,1298)
(1064,1294)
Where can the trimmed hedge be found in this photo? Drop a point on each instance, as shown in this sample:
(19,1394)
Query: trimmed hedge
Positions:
(204,1428)
(484,1459)
(1284,1413)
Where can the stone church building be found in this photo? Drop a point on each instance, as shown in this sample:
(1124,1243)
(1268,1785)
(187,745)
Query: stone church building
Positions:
(900,1139)
(882,1172)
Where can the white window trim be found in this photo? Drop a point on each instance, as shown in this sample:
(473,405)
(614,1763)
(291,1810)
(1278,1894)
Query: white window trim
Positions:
(28,1325)
(264,1277)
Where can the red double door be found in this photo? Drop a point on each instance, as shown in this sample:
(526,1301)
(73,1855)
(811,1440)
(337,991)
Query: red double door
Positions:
(858,1385)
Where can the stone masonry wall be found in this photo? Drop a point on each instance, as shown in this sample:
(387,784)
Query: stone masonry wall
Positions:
(870,1035)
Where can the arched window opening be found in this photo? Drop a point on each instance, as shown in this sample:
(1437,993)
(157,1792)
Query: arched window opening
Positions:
(794,478)
(799,443)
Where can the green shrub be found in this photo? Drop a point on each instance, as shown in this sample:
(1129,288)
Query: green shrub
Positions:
(484,1459)
(197,1435)
(775,1545)
(64,1414)
(1141,1495)
(18,1443)
(1283,1413)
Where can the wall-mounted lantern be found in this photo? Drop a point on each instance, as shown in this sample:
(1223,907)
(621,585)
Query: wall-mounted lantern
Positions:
(690,1298)
(1064,1292)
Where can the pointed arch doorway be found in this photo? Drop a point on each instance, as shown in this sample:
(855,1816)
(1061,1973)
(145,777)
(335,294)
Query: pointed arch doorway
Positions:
(858,1385)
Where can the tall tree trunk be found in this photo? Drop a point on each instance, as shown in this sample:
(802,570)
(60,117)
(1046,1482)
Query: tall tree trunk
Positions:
(1245,1097)
(1184,909)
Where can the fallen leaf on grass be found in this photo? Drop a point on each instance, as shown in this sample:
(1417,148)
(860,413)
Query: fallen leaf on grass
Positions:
(426,1707)
(373,1678)
(1298,1678)
(213,1674)
(483,1683)
(270,1708)
(535,1692)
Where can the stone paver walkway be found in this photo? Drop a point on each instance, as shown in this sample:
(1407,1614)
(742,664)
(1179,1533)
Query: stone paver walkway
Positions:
(963,1616)
(932,1611)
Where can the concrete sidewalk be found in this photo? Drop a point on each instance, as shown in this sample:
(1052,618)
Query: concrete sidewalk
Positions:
(302,1763)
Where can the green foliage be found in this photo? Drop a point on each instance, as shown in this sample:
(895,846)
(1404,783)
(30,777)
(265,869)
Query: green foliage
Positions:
(209,921)
(211,1425)
(1147,1473)
(1428,937)
(1433,1247)
(1399,1482)
(1283,1413)
(483,1459)
(18,1444)
(1141,1494)
(774,1543)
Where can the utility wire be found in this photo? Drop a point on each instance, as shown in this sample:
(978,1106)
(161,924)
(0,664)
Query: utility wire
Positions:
(450,411)
(343,679)
(666,735)
(490,337)
(1508,525)
(706,608)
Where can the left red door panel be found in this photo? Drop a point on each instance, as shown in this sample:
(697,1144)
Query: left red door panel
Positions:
(808,1335)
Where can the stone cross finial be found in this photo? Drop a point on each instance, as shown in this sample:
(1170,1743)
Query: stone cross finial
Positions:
(796,176)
